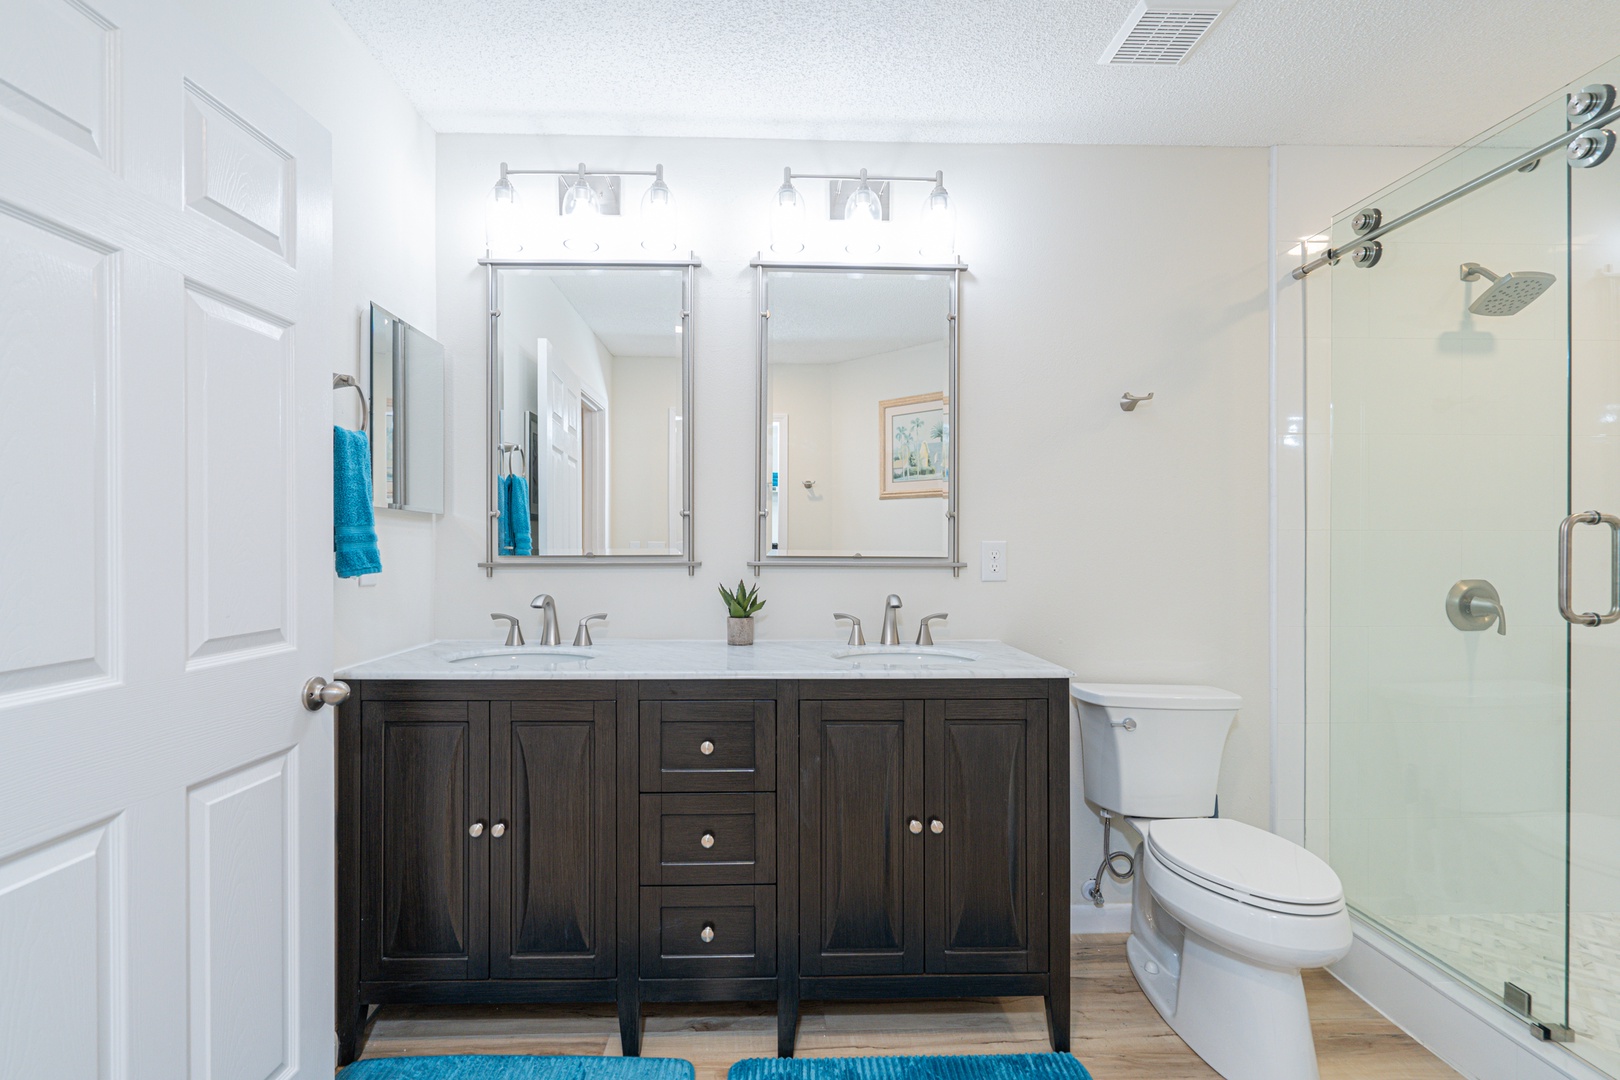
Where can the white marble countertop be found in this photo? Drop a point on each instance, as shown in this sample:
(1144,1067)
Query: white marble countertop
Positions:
(630,659)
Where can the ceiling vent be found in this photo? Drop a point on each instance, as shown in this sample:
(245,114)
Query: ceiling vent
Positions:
(1162,33)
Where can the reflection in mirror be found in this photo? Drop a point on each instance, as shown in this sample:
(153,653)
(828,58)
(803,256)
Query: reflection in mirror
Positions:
(857,454)
(589,441)
(407,416)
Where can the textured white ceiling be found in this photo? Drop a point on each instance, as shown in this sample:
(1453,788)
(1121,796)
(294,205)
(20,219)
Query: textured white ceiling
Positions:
(1349,72)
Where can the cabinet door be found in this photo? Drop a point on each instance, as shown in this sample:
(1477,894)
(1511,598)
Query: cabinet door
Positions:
(861,884)
(987,906)
(424,878)
(552,873)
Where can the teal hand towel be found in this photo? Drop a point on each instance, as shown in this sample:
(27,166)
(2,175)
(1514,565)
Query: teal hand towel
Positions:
(517,512)
(354,532)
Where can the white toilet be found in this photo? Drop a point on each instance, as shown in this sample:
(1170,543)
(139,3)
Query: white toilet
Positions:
(1225,915)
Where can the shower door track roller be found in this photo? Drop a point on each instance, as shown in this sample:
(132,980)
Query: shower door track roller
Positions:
(1585,145)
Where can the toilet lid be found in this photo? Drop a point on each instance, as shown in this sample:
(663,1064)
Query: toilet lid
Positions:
(1241,859)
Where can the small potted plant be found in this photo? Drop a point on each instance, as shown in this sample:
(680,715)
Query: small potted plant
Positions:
(741,604)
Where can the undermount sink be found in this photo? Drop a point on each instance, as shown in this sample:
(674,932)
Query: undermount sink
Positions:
(522,658)
(903,656)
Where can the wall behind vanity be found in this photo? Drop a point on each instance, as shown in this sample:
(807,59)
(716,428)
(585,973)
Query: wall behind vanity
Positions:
(1137,542)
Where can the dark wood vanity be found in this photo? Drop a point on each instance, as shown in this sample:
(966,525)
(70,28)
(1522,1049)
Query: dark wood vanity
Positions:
(701,840)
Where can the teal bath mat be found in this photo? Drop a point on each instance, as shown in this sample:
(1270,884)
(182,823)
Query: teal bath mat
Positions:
(517,1067)
(955,1067)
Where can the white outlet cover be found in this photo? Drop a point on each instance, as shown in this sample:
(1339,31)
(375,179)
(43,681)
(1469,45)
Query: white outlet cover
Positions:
(993,560)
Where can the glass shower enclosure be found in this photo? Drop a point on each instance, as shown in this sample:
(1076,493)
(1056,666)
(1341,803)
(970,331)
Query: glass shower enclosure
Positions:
(1472,751)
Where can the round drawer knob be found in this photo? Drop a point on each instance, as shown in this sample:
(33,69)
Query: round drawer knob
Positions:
(498,829)
(476,829)
(706,747)
(915,826)
(708,840)
(707,933)
(936,826)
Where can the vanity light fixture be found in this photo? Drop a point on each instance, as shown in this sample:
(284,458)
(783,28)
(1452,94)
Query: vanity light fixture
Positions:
(862,210)
(658,214)
(501,218)
(585,196)
(787,217)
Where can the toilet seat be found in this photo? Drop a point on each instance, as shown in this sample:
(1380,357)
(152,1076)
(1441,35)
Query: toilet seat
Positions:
(1245,864)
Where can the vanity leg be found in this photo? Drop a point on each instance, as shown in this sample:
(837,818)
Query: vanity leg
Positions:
(351,1031)
(630,1025)
(1057,1016)
(787,1021)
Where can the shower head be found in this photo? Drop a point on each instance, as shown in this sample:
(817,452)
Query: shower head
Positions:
(1508,294)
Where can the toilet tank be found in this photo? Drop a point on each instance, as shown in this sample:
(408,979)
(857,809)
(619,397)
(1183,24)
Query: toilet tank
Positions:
(1153,751)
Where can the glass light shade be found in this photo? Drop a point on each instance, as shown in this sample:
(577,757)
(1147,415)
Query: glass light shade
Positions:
(658,215)
(938,232)
(501,220)
(862,212)
(787,219)
(579,213)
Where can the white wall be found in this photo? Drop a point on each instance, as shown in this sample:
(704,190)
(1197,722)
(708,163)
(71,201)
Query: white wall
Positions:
(1138,542)
(382,251)
(645,389)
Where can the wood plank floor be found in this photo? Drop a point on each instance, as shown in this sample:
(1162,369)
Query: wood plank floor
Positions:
(1117,1033)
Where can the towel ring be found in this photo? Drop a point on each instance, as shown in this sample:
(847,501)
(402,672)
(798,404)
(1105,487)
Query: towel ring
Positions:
(340,381)
(508,449)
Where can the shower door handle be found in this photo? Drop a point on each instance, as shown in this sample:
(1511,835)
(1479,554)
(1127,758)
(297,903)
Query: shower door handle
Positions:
(1565,531)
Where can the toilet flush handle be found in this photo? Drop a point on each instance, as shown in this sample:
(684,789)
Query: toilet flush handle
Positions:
(1128,723)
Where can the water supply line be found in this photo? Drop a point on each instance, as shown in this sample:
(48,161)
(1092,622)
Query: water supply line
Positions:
(1093,888)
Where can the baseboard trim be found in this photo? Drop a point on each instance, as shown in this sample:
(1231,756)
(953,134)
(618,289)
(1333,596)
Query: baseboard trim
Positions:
(1479,1039)
(1108,919)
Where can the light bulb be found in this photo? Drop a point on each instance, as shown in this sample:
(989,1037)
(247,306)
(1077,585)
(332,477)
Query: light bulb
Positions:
(658,215)
(787,217)
(861,214)
(501,219)
(938,221)
(579,213)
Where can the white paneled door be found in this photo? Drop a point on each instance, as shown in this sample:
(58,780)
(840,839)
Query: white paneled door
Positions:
(165,556)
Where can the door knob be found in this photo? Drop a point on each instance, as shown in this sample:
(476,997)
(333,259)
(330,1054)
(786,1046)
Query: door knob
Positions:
(936,826)
(707,933)
(708,840)
(498,829)
(476,829)
(915,825)
(319,692)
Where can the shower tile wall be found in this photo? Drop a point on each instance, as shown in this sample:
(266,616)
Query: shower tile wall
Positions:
(1447,452)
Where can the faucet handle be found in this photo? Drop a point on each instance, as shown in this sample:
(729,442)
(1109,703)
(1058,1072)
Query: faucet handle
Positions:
(514,632)
(582,636)
(856,636)
(924,635)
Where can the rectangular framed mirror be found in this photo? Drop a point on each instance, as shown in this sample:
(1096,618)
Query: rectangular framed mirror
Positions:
(858,441)
(590,395)
(407,415)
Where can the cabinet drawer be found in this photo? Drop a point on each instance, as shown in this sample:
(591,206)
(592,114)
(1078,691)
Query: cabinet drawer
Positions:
(708,839)
(740,919)
(708,746)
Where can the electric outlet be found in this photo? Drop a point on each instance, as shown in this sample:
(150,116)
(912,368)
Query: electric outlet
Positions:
(993,560)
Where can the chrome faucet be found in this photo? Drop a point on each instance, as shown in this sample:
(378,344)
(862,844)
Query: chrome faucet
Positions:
(925,637)
(856,635)
(514,631)
(549,633)
(891,621)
